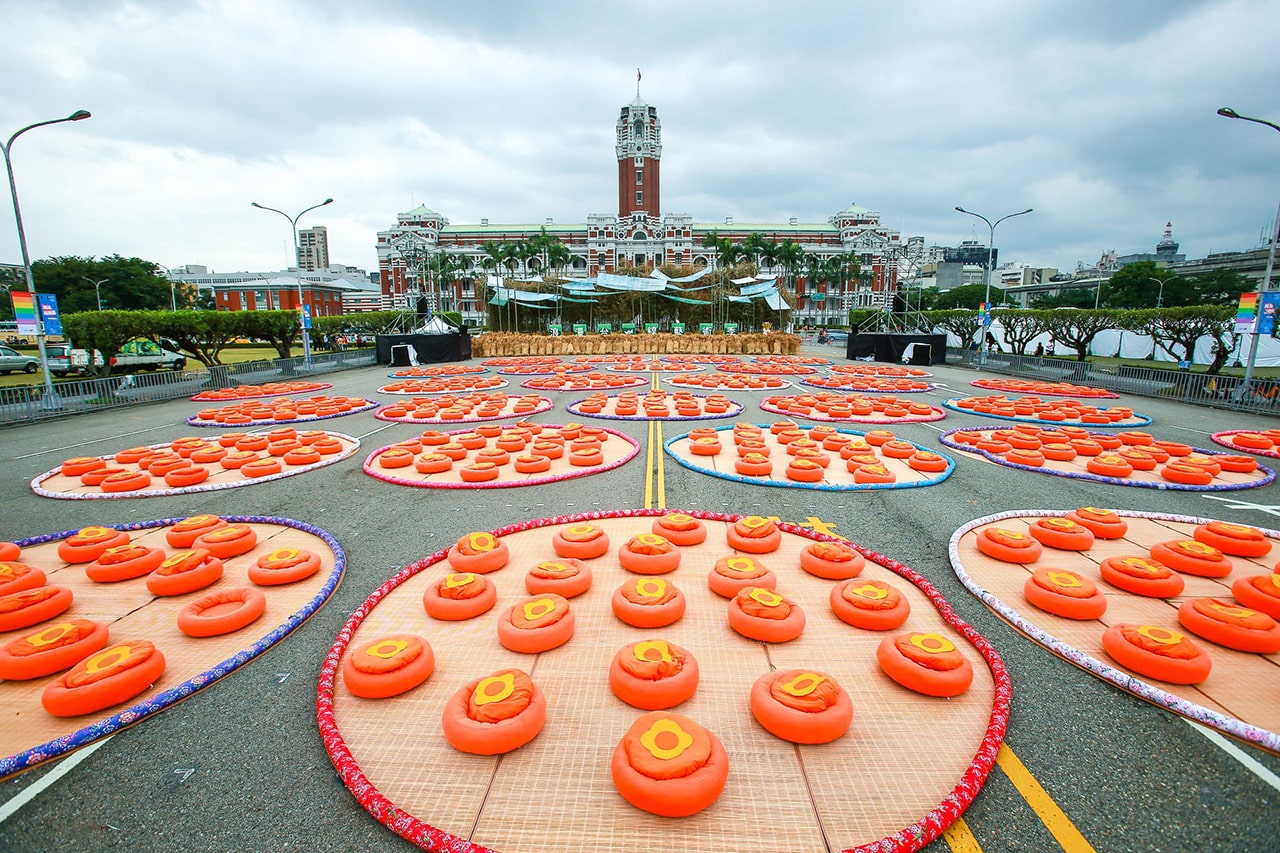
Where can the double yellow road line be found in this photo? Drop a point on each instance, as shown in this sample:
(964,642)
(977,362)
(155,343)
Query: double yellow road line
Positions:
(958,836)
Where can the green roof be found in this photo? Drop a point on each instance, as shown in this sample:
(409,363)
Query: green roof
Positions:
(553,228)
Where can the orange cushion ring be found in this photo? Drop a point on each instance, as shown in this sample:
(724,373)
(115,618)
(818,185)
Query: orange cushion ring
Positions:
(565,577)
(869,604)
(105,678)
(801,706)
(537,624)
(763,614)
(480,553)
(1158,653)
(653,674)
(495,714)
(221,612)
(54,647)
(669,765)
(458,596)
(388,666)
(648,602)
(926,663)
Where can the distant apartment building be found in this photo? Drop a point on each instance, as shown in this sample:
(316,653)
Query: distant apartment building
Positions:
(313,249)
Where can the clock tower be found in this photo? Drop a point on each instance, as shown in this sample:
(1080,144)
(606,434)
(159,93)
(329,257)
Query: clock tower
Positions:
(639,150)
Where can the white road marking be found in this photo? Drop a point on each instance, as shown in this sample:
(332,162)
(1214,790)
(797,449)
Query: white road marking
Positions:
(1250,763)
(94,441)
(12,807)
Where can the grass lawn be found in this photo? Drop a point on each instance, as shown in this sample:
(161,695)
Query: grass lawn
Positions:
(231,355)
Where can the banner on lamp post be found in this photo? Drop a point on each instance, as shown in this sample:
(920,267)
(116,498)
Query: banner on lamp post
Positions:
(1246,313)
(1267,312)
(24,311)
(49,313)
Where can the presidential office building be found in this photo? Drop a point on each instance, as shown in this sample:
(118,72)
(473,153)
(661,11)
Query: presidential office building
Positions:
(641,235)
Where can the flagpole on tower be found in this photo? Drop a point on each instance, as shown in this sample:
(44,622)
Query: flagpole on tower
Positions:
(637,84)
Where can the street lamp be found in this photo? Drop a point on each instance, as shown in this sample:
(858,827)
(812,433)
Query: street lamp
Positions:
(991,246)
(1160,295)
(1227,112)
(293,230)
(173,285)
(78,115)
(97,285)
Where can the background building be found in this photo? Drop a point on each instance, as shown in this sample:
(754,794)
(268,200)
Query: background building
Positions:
(639,235)
(313,248)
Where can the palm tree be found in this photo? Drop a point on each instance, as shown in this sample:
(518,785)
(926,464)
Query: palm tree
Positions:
(753,247)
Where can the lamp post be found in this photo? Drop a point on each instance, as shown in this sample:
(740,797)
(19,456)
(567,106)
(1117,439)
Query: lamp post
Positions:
(293,230)
(97,288)
(1227,112)
(173,285)
(1160,295)
(991,246)
(78,115)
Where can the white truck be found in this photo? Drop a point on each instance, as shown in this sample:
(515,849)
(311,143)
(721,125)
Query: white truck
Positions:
(137,354)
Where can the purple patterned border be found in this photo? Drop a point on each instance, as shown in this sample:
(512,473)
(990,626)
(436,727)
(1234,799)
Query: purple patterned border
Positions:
(1165,485)
(199,487)
(543,406)
(320,386)
(29,758)
(735,409)
(1046,391)
(937,415)
(195,421)
(1228,725)
(1224,438)
(911,838)
(1137,419)
(820,487)
(379,474)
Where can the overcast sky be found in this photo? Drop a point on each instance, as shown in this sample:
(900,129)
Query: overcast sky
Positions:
(1100,115)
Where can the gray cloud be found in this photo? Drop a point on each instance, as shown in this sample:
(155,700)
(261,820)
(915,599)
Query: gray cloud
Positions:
(1098,115)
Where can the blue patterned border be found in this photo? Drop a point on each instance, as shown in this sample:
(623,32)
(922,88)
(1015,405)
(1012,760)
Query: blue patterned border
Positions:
(1166,485)
(821,487)
(36,755)
(1229,725)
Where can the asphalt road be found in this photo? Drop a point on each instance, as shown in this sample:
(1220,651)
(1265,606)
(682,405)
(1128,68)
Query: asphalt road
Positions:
(240,766)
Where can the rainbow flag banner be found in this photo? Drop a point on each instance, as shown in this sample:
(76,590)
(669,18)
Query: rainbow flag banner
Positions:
(24,311)
(1246,313)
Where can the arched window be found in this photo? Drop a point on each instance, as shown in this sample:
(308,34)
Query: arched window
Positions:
(640,235)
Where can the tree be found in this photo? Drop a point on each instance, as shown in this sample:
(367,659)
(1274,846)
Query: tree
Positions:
(104,331)
(1142,285)
(1220,287)
(128,284)
(203,334)
(1182,327)
(1072,297)
(965,296)
(1077,327)
(1021,327)
(279,329)
(961,323)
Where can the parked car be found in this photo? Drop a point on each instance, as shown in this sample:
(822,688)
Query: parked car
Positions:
(11,360)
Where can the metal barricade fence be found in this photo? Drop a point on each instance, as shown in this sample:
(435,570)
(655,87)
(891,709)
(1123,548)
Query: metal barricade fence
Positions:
(28,404)
(1223,392)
